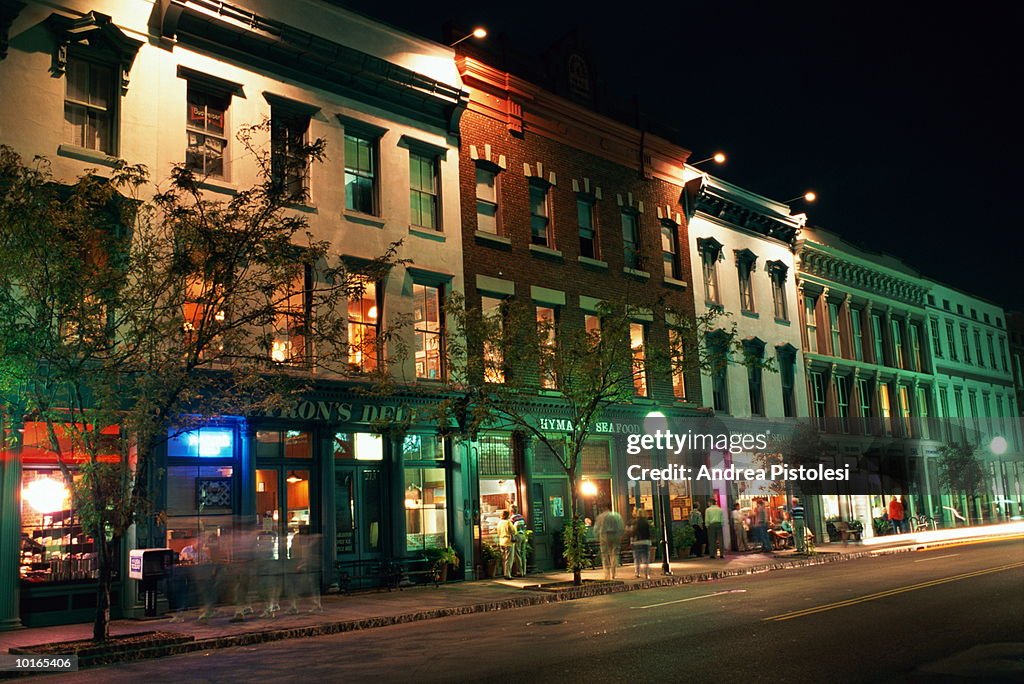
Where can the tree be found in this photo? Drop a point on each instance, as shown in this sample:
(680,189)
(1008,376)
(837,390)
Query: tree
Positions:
(124,319)
(961,471)
(507,358)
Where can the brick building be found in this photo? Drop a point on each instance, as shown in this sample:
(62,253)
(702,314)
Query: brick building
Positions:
(564,208)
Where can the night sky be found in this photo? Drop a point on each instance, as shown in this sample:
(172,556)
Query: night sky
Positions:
(904,117)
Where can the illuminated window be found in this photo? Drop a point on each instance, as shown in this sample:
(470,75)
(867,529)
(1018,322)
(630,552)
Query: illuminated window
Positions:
(364,329)
(424,191)
(811,322)
(494,355)
(205,442)
(206,128)
(677,354)
(833,327)
(89,105)
(884,407)
(290,322)
(636,345)
(546,331)
(203,315)
(360,173)
(426,509)
(429,330)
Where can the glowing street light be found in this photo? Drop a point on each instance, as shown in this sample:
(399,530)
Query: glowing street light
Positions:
(717,157)
(808,196)
(998,445)
(478,32)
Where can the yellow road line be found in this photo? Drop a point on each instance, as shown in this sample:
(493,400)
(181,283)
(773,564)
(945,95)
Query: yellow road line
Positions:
(938,546)
(889,592)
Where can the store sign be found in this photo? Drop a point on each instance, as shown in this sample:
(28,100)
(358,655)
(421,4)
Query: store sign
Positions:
(600,427)
(337,412)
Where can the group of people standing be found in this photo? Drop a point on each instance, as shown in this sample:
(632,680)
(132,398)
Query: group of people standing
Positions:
(610,530)
(512,542)
(708,527)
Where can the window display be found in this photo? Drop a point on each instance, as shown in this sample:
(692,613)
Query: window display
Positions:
(54,547)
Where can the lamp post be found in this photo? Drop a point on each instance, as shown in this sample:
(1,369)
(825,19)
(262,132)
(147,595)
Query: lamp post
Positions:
(656,420)
(478,32)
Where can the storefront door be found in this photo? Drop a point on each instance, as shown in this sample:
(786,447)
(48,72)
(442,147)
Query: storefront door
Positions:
(283,505)
(550,511)
(359,512)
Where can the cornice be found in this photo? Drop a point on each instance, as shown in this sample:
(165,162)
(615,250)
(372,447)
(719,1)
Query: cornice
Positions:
(813,260)
(276,47)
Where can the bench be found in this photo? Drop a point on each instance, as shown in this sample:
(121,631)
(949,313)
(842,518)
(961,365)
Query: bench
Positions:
(351,571)
(844,531)
(401,570)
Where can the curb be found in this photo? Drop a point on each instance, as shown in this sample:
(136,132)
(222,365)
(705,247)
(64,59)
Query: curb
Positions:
(533,598)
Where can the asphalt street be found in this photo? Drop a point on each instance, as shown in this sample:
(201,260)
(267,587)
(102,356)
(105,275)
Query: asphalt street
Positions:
(949,614)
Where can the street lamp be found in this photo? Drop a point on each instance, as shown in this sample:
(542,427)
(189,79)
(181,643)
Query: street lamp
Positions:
(478,32)
(656,420)
(808,196)
(998,445)
(717,157)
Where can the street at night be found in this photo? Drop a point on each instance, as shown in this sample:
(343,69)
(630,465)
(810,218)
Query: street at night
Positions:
(922,616)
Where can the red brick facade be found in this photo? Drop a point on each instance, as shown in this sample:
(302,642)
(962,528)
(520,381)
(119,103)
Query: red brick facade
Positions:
(523,125)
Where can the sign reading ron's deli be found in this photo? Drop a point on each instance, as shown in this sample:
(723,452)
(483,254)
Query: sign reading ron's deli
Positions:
(333,411)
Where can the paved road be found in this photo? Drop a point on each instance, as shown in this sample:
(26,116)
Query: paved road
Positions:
(923,616)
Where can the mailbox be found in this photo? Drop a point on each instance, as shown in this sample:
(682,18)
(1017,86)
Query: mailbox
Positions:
(150,564)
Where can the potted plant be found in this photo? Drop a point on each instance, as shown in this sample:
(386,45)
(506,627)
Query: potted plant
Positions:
(683,537)
(491,556)
(444,559)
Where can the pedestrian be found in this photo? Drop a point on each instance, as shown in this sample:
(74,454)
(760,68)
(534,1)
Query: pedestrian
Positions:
(699,535)
(761,525)
(796,512)
(268,569)
(736,527)
(609,528)
(907,518)
(506,543)
(519,546)
(305,563)
(641,545)
(713,520)
(896,515)
(243,541)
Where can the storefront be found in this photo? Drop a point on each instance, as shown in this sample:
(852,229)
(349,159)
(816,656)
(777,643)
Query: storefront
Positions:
(57,558)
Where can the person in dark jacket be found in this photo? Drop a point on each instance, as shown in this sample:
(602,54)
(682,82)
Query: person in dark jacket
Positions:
(641,545)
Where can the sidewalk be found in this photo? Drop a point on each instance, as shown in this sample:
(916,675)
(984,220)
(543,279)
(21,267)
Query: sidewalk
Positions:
(370,609)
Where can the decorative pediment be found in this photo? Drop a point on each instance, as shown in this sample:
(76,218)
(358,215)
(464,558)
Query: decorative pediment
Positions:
(96,33)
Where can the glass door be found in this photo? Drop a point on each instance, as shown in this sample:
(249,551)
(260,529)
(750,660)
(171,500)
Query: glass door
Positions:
(283,504)
(359,512)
